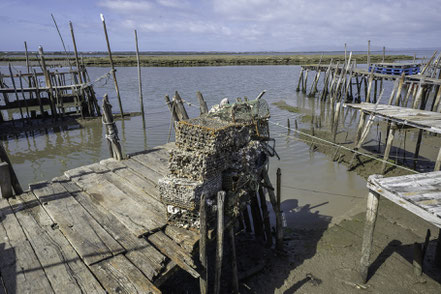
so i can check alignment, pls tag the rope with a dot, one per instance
(326, 142)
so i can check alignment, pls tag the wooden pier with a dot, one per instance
(96, 229)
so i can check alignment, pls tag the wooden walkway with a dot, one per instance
(422, 119)
(96, 229)
(420, 194)
(397, 117)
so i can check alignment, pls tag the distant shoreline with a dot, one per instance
(206, 60)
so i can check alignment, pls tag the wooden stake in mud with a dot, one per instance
(220, 240)
(203, 280)
(111, 130)
(305, 81)
(112, 66)
(371, 218)
(388, 147)
(279, 224)
(369, 54)
(14, 180)
(265, 215)
(234, 261)
(257, 219)
(141, 101)
(202, 104)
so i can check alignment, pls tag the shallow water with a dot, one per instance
(315, 190)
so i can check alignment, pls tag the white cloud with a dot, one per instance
(126, 6)
(173, 3)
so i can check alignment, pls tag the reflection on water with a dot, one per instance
(316, 183)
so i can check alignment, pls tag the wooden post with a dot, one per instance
(388, 147)
(369, 55)
(220, 240)
(27, 57)
(5, 181)
(400, 87)
(234, 261)
(371, 217)
(15, 91)
(369, 89)
(436, 103)
(279, 224)
(181, 106)
(141, 101)
(23, 94)
(14, 180)
(77, 61)
(37, 93)
(112, 66)
(438, 250)
(363, 116)
(202, 104)
(265, 214)
(300, 80)
(111, 130)
(203, 280)
(438, 161)
(257, 219)
(305, 81)
(172, 107)
(48, 82)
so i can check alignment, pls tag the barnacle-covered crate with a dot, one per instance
(210, 135)
(186, 193)
(250, 158)
(196, 165)
(190, 219)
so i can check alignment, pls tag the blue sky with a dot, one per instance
(223, 25)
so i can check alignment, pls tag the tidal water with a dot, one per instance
(315, 190)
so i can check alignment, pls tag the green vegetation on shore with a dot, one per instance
(212, 60)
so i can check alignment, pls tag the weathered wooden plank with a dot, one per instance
(132, 191)
(143, 171)
(88, 238)
(173, 251)
(156, 159)
(62, 265)
(20, 269)
(187, 239)
(428, 216)
(139, 251)
(138, 219)
(119, 275)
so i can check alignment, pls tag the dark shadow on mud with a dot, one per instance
(407, 252)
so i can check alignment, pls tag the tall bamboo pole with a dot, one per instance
(139, 79)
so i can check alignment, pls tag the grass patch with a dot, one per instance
(211, 60)
(284, 106)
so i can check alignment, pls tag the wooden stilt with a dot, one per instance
(300, 80)
(388, 147)
(234, 261)
(202, 104)
(171, 107)
(279, 224)
(220, 241)
(438, 161)
(14, 180)
(111, 130)
(417, 148)
(203, 280)
(112, 66)
(138, 63)
(181, 106)
(305, 82)
(257, 218)
(265, 214)
(5, 181)
(371, 217)
(400, 88)
(369, 89)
